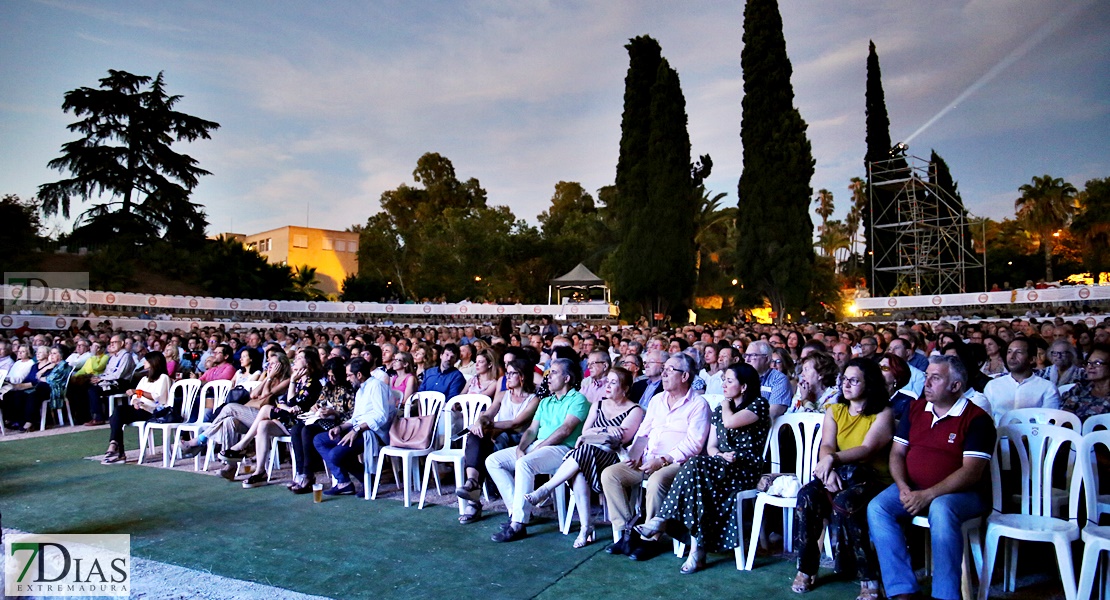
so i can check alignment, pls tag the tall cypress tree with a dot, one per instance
(775, 249)
(941, 176)
(656, 197)
(878, 149)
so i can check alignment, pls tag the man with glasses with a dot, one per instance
(869, 348)
(774, 385)
(648, 387)
(675, 428)
(120, 367)
(1020, 388)
(80, 354)
(554, 430)
(593, 387)
(1064, 370)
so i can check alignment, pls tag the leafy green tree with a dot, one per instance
(573, 230)
(775, 255)
(1046, 206)
(661, 226)
(22, 233)
(833, 239)
(357, 288)
(305, 284)
(710, 222)
(128, 127)
(859, 209)
(229, 270)
(1092, 225)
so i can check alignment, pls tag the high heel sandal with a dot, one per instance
(695, 563)
(585, 537)
(652, 528)
(803, 583)
(538, 495)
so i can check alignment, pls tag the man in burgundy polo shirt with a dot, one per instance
(938, 461)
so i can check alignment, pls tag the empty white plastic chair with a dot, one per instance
(471, 407)
(1037, 447)
(1096, 538)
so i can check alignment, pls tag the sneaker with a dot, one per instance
(256, 480)
(348, 490)
(508, 534)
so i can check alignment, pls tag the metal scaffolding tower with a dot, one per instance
(921, 237)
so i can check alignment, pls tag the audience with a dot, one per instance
(151, 394)
(1020, 388)
(1091, 396)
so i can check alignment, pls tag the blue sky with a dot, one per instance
(324, 106)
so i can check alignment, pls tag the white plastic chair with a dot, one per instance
(1043, 416)
(471, 406)
(217, 390)
(1094, 422)
(427, 403)
(273, 462)
(1037, 447)
(220, 389)
(971, 530)
(3, 378)
(182, 394)
(1096, 538)
(807, 441)
(58, 418)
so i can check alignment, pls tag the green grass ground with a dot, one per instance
(343, 548)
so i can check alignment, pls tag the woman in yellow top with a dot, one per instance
(851, 469)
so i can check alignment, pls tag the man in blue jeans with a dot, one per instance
(939, 460)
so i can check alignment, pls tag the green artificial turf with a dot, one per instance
(345, 547)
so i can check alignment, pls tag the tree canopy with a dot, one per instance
(125, 158)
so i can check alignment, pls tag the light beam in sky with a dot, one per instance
(1048, 28)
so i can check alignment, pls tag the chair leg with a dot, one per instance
(433, 466)
(42, 414)
(407, 471)
(378, 475)
(788, 530)
(1067, 569)
(1011, 566)
(424, 485)
(757, 526)
(989, 556)
(741, 559)
(1092, 555)
(69, 414)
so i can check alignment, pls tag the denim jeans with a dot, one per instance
(341, 460)
(885, 516)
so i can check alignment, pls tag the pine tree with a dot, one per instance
(657, 188)
(775, 250)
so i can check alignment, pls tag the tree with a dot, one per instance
(775, 254)
(656, 191)
(709, 217)
(128, 127)
(825, 206)
(22, 233)
(1092, 225)
(1046, 205)
(572, 230)
(878, 150)
(305, 282)
(833, 238)
(229, 270)
(859, 209)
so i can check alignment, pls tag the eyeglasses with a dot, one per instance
(852, 381)
(596, 362)
(776, 361)
(512, 374)
(1096, 363)
(885, 368)
(754, 356)
(668, 370)
(1058, 354)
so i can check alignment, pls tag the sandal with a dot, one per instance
(868, 590)
(471, 490)
(467, 518)
(652, 528)
(537, 496)
(585, 537)
(803, 583)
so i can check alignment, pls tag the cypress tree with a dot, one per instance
(878, 149)
(775, 249)
(656, 188)
(941, 177)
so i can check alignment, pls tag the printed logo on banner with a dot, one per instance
(388, 308)
(193, 303)
(273, 305)
(350, 308)
(983, 298)
(500, 310)
(152, 301)
(1084, 293)
(1032, 296)
(937, 300)
(312, 306)
(892, 302)
(67, 565)
(427, 309)
(47, 292)
(462, 309)
(234, 305)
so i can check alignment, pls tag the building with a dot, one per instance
(333, 253)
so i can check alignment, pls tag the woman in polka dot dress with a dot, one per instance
(702, 499)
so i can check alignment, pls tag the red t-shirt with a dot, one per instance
(937, 449)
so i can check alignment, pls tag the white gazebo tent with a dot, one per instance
(579, 278)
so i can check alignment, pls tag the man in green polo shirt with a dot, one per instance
(554, 430)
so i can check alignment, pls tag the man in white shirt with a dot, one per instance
(80, 354)
(1020, 388)
(6, 360)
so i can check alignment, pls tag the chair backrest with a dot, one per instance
(713, 400)
(250, 386)
(1088, 470)
(1038, 447)
(186, 392)
(807, 441)
(3, 375)
(1042, 416)
(217, 390)
(1095, 422)
(425, 403)
(471, 406)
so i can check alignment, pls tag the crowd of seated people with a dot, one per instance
(618, 414)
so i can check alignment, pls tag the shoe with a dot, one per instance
(803, 583)
(585, 537)
(256, 480)
(228, 473)
(621, 546)
(231, 455)
(538, 496)
(646, 550)
(694, 563)
(652, 528)
(508, 534)
(191, 451)
(471, 490)
(348, 490)
(300, 481)
(95, 423)
(468, 518)
(868, 590)
(118, 458)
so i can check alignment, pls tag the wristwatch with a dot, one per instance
(666, 460)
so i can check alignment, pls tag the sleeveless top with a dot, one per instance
(509, 410)
(851, 430)
(399, 382)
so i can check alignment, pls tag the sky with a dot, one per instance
(323, 106)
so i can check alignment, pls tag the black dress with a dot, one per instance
(703, 495)
(592, 460)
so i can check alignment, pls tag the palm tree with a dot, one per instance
(305, 282)
(824, 206)
(859, 204)
(1045, 207)
(709, 214)
(834, 237)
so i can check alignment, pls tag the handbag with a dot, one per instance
(413, 433)
(238, 395)
(602, 440)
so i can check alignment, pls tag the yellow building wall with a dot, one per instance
(333, 253)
